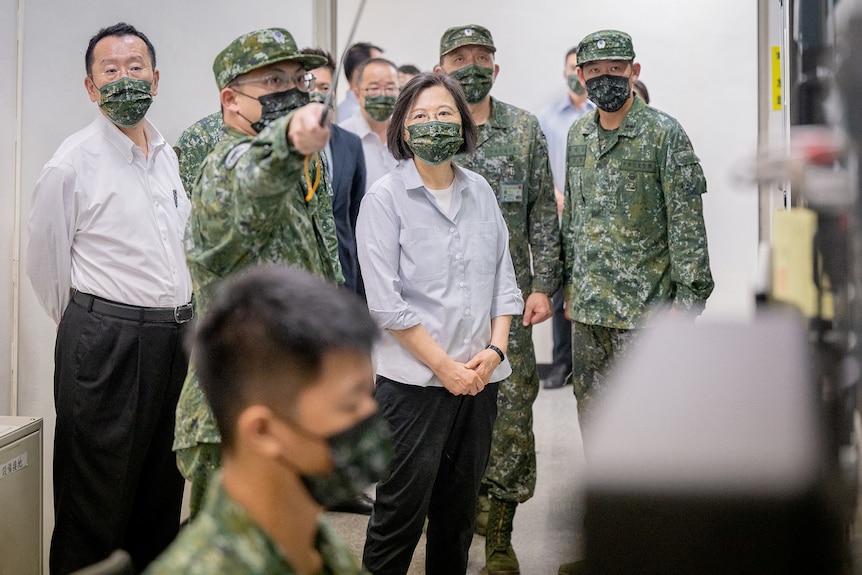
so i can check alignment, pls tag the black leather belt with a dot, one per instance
(180, 314)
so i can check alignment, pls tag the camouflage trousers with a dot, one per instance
(511, 472)
(594, 349)
(198, 464)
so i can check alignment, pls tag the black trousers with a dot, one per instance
(116, 484)
(442, 442)
(562, 332)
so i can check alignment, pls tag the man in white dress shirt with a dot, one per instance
(377, 90)
(107, 262)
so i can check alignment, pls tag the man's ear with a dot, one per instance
(228, 99)
(92, 90)
(255, 431)
(636, 71)
(154, 88)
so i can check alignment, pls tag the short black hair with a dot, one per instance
(366, 63)
(424, 80)
(356, 55)
(330, 63)
(408, 69)
(272, 319)
(119, 29)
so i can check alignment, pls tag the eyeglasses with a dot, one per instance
(112, 73)
(378, 91)
(278, 82)
(421, 116)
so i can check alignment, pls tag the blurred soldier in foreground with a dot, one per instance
(292, 396)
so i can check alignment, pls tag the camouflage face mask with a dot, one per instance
(126, 101)
(380, 107)
(318, 97)
(609, 92)
(360, 456)
(575, 84)
(475, 80)
(435, 142)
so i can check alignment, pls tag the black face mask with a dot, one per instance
(276, 105)
(609, 92)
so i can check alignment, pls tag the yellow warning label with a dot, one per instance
(776, 78)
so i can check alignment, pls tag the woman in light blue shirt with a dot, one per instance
(433, 250)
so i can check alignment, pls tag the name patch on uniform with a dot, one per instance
(512, 150)
(511, 192)
(638, 166)
(576, 155)
(234, 155)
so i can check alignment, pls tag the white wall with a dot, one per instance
(8, 83)
(699, 61)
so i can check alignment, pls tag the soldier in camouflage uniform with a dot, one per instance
(512, 154)
(195, 144)
(278, 380)
(634, 240)
(252, 203)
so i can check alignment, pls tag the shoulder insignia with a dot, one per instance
(235, 154)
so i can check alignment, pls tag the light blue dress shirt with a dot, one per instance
(556, 120)
(450, 273)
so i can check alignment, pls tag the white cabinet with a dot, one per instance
(20, 496)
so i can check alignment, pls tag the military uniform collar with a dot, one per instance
(499, 118)
(629, 126)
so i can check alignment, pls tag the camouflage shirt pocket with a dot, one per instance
(576, 159)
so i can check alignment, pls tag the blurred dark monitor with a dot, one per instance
(708, 457)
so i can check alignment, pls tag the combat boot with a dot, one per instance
(500, 557)
(482, 506)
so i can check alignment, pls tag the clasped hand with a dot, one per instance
(471, 377)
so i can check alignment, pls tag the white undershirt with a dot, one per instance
(443, 197)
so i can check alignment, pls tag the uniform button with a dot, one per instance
(458, 257)
(467, 313)
(452, 230)
(462, 284)
(466, 341)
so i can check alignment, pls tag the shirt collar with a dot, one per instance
(413, 181)
(255, 545)
(499, 118)
(122, 142)
(362, 127)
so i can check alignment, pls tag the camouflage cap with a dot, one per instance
(470, 35)
(605, 45)
(260, 48)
